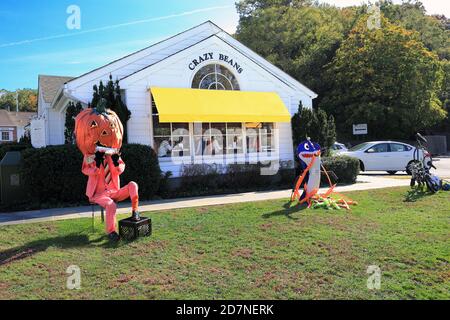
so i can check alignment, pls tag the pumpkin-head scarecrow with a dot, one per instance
(99, 135)
(99, 127)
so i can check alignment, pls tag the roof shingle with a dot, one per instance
(49, 86)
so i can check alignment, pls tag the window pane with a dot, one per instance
(181, 147)
(180, 129)
(200, 144)
(160, 129)
(234, 128)
(215, 77)
(6, 136)
(396, 147)
(383, 147)
(234, 144)
(163, 146)
(198, 128)
(216, 127)
(252, 142)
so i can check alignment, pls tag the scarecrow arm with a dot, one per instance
(120, 168)
(89, 168)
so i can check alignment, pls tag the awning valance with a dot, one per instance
(198, 105)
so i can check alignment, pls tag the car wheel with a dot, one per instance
(391, 172)
(361, 165)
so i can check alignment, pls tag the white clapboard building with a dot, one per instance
(197, 97)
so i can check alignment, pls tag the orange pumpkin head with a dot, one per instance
(98, 127)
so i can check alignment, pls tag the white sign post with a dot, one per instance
(359, 129)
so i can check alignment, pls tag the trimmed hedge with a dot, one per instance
(208, 179)
(142, 167)
(53, 174)
(346, 168)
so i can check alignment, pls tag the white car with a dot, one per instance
(390, 156)
(337, 148)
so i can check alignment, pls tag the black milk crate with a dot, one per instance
(130, 229)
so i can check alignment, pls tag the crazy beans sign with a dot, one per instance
(212, 56)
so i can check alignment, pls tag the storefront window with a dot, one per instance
(234, 138)
(215, 77)
(209, 138)
(260, 137)
(170, 139)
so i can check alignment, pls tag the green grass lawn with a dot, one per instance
(245, 251)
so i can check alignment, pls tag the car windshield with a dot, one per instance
(359, 146)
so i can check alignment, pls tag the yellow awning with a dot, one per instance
(198, 105)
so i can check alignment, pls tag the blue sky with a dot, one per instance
(34, 38)
(72, 52)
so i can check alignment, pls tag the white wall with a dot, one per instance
(175, 72)
(56, 122)
(141, 72)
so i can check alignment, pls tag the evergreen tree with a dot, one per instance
(316, 125)
(111, 93)
(72, 111)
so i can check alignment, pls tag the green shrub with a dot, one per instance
(207, 179)
(13, 146)
(200, 178)
(53, 174)
(246, 176)
(142, 167)
(346, 168)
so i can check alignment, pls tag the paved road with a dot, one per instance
(442, 165)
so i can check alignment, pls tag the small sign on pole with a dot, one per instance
(359, 129)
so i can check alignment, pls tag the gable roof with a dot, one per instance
(154, 51)
(50, 85)
(160, 51)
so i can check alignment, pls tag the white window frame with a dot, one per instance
(10, 135)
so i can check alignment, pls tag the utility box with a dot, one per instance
(12, 187)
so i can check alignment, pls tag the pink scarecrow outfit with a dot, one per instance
(103, 185)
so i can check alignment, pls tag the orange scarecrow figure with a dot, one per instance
(99, 135)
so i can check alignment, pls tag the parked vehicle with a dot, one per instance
(337, 148)
(390, 156)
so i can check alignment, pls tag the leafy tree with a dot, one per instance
(444, 126)
(433, 30)
(27, 100)
(72, 111)
(296, 36)
(112, 94)
(386, 78)
(8, 100)
(316, 125)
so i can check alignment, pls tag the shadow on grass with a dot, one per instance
(286, 211)
(60, 242)
(416, 193)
